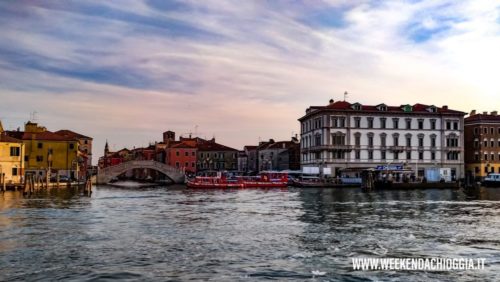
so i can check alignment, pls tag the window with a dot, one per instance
(485, 130)
(186, 154)
(186, 164)
(177, 153)
(476, 130)
(177, 164)
(408, 141)
(492, 157)
(317, 139)
(26, 158)
(420, 155)
(433, 124)
(14, 171)
(420, 141)
(370, 141)
(357, 140)
(476, 156)
(370, 155)
(71, 146)
(492, 142)
(382, 155)
(420, 124)
(408, 123)
(395, 123)
(335, 122)
(357, 122)
(40, 145)
(433, 141)
(358, 154)
(192, 164)
(85, 142)
(433, 155)
(342, 122)
(396, 140)
(448, 125)
(383, 140)
(452, 141)
(39, 158)
(338, 139)
(202, 155)
(15, 151)
(396, 155)
(455, 125)
(492, 130)
(193, 154)
(383, 123)
(408, 155)
(485, 143)
(476, 143)
(485, 156)
(452, 156)
(370, 122)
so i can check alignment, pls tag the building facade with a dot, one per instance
(343, 135)
(280, 155)
(482, 143)
(46, 150)
(11, 158)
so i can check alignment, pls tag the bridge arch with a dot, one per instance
(105, 175)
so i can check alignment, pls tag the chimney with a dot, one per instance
(331, 101)
(445, 107)
(473, 112)
(494, 113)
(485, 113)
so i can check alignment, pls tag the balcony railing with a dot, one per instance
(346, 148)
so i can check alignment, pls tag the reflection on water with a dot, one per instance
(171, 233)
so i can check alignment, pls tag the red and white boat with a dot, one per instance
(220, 180)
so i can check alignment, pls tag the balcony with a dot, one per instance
(453, 149)
(345, 148)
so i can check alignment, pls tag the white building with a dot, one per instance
(344, 135)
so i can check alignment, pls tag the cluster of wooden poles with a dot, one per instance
(33, 183)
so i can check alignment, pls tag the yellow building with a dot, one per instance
(45, 149)
(11, 157)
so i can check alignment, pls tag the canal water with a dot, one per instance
(176, 234)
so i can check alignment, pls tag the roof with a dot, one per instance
(382, 108)
(6, 138)
(212, 146)
(45, 136)
(184, 145)
(71, 134)
(482, 118)
(278, 145)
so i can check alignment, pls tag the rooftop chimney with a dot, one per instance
(485, 113)
(473, 112)
(331, 101)
(494, 113)
(445, 107)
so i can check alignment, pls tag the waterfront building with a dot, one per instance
(47, 150)
(11, 157)
(183, 156)
(215, 156)
(482, 143)
(281, 155)
(84, 149)
(352, 135)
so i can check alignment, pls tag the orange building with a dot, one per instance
(183, 156)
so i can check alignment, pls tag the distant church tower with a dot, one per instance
(106, 148)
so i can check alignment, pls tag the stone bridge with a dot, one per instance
(106, 174)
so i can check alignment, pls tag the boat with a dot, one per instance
(492, 180)
(266, 179)
(221, 180)
(316, 182)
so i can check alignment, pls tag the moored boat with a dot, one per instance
(264, 180)
(492, 180)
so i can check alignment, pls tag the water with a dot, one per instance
(174, 234)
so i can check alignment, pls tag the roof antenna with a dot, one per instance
(345, 95)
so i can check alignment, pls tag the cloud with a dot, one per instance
(128, 70)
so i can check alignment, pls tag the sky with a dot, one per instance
(240, 71)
